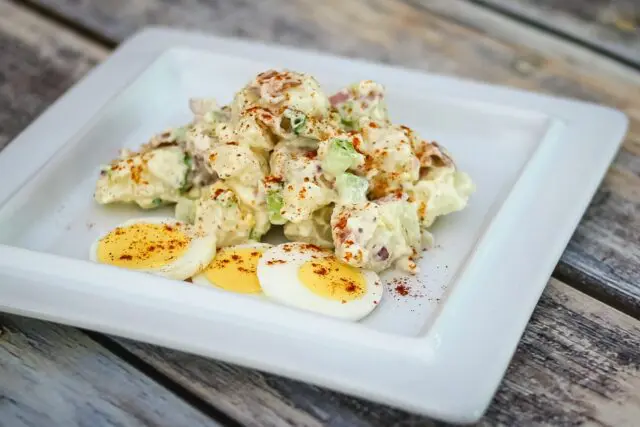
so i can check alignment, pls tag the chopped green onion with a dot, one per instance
(156, 202)
(298, 123)
(297, 120)
(347, 123)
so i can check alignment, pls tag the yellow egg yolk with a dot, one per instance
(142, 246)
(235, 270)
(329, 278)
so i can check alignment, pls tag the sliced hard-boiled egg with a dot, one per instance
(161, 246)
(309, 277)
(234, 269)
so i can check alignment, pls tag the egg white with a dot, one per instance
(201, 278)
(200, 251)
(279, 281)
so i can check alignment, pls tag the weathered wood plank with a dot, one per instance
(578, 351)
(578, 362)
(52, 375)
(38, 63)
(443, 36)
(57, 376)
(610, 25)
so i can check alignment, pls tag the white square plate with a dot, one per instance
(441, 351)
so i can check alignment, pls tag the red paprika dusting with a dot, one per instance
(252, 110)
(322, 271)
(312, 247)
(402, 290)
(272, 179)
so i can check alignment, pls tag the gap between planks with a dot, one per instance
(67, 23)
(556, 31)
(174, 387)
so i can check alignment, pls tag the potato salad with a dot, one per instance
(331, 171)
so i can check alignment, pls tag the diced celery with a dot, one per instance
(274, 206)
(179, 134)
(186, 186)
(254, 235)
(188, 160)
(352, 188)
(340, 156)
(185, 210)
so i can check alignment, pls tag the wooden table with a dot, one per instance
(579, 359)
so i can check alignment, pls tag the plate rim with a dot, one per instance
(451, 399)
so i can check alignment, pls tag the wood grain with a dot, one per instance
(38, 62)
(444, 36)
(57, 376)
(610, 25)
(52, 375)
(578, 362)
